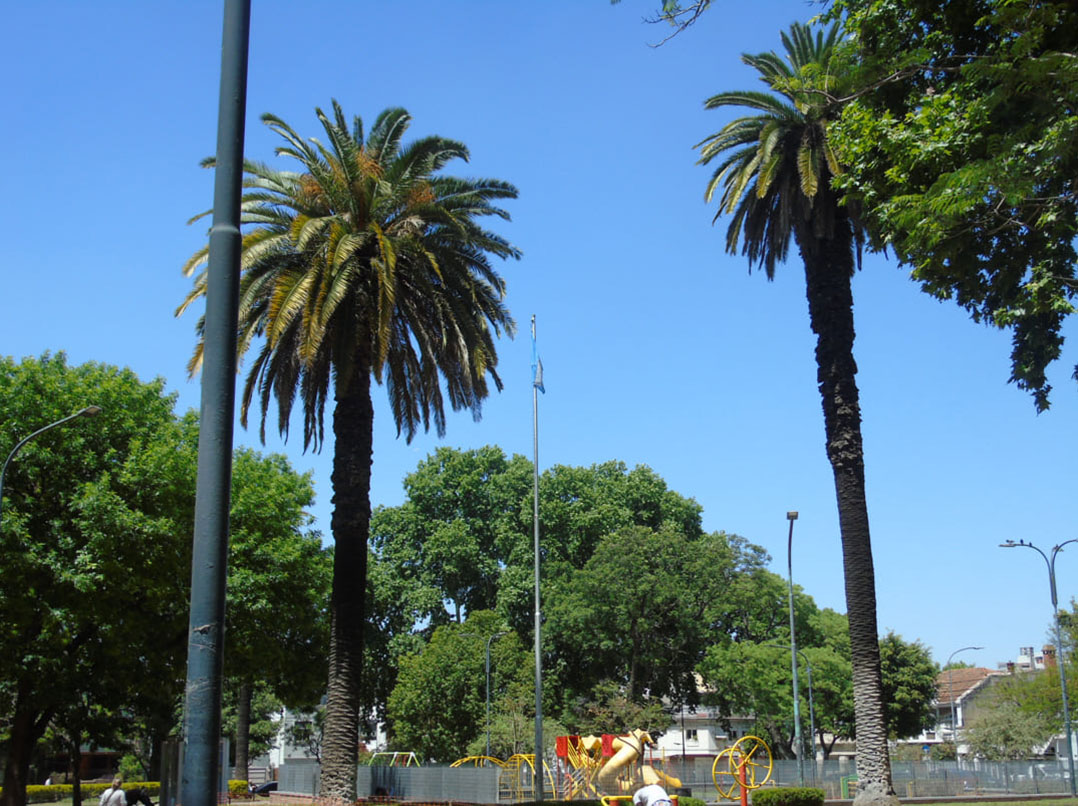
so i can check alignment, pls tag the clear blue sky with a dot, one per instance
(658, 348)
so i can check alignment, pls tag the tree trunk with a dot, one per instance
(75, 750)
(828, 269)
(353, 426)
(243, 730)
(26, 729)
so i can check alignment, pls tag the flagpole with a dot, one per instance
(536, 386)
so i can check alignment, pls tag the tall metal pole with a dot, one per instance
(798, 742)
(1051, 563)
(497, 634)
(812, 722)
(202, 709)
(812, 707)
(950, 685)
(536, 385)
(89, 411)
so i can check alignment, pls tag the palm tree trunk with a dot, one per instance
(828, 269)
(353, 427)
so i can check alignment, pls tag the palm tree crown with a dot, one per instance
(367, 260)
(775, 167)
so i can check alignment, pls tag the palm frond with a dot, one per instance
(367, 259)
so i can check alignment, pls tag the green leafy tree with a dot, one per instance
(775, 171)
(961, 147)
(749, 678)
(308, 733)
(640, 612)
(249, 714)
(279, 578)
(368, 261)
(451, 537)
(832, 684)
(610, 710)
(464, 539)
(578, 508)
(438, 705)
(92, 545)
(909, 686)
(1006, 732)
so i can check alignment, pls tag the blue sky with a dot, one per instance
(658, 348)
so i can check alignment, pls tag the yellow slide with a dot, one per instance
(627, 749)
(654, 776)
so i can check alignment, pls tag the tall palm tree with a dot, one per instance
(368, 261)
(774, 169)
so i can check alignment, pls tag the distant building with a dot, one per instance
(965, 690)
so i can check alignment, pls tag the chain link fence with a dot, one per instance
(437, 783)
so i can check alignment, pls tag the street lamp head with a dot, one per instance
(90, 411)
(1008, 544)
(791, 516)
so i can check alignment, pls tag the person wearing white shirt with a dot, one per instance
(114, 795)
(651, 795)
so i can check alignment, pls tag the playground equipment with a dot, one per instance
(521, 777)
(478, 761)
(745, 765)
(389, 759)
(584, 767)
(593, 766)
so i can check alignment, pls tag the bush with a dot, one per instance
(687, 801)
(47, 794)
(90, 792)
(788, 796)
(130, 768)
(237, 788)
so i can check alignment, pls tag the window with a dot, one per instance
(690, 736)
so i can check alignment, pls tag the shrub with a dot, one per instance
(687, 801)
(788, 796)
(47, 794)
(237, 788)
(90, 792)
(130, 768)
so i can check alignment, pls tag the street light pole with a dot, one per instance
(89, 411)
(950, 685)
(1051, 563)
(798, 742)
(812, 707)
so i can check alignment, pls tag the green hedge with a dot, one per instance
(788, 796)
(687, 801)
(90, 791)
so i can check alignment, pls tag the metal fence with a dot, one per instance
(838, 779)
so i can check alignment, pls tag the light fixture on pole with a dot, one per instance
(89, 411)
(1051, 563)
(798, 742)
(950, 685)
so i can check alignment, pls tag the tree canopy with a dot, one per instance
(960, 149)
(96, 529)
(93, 546)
